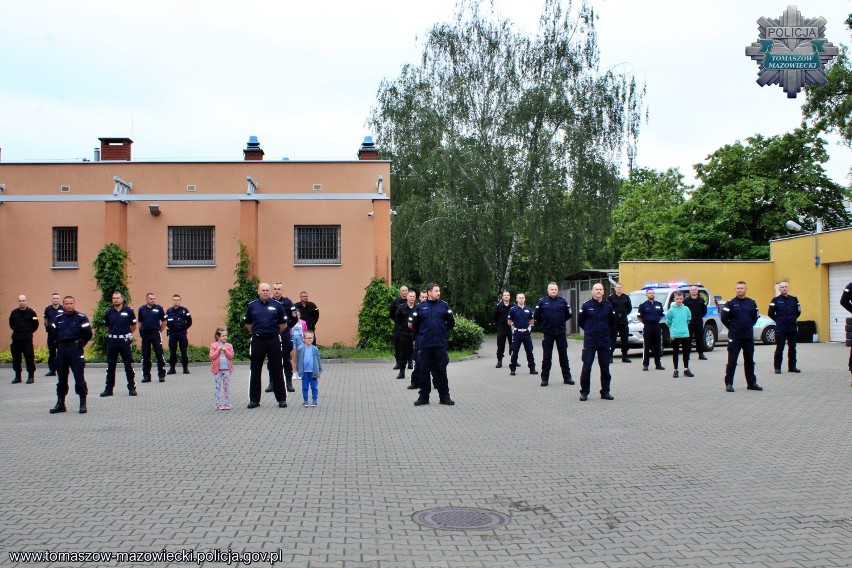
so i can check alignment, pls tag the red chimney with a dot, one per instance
(368, 150)
(115, 149)
(253, 150)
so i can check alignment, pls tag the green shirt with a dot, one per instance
(678, 320)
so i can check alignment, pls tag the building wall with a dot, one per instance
(32, 205)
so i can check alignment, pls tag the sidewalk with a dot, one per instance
(673, 472)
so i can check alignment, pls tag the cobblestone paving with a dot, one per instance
(673, 472)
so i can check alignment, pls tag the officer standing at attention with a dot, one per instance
(397, 302)
(622, 306)
(739, 315)
(152, 321)
(266, 320)
(846, 302)
(120, 321)
(552, 312)
(24, 322)
(432, 321)
(178, 320)
(50, 314)
(698, 311)
(650, 314)
(286, 340)
(73, 332)
(597, 319)
(520, 320)
(500, 315)
(785, 310)
(406, 335)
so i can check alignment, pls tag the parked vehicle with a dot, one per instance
(764, 329)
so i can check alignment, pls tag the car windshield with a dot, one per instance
(637, 298)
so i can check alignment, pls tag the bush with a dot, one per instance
(375, 328)
(243, 292)
(465, 335)
(109, 271)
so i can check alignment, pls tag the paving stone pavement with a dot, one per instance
(673, 472)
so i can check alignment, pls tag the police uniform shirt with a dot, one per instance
(621, 305)
(403, 312)
(119, 322)
(289, 310)
(739, 316)
(596, 319)
(520, 318)
(50, 315)
(501, 314)
(697, 307)
(431, 321)
(150, 318)
(846, 298)
(23, 323)
(72, 327)
(178, 319)
(785, 311)
(551, 314)
(309, 313)
(265, 317)
(651, 312)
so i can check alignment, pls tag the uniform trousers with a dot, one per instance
(522, 338)
(406, 350)
(653, 345)
(286, 355)
(151, 339)
(116, 347)
(69, 356)
(504, 334)
(178, 339)
(52, 344)
(23, 349)
(621, 330)
(434, 361)
(265, 345)
(602, 350)
(547, 354)
(734, 348)
(788, 336)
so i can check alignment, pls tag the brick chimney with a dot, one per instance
(368, 150)
(252, 150)
(115, 149)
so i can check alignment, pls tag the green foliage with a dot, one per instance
(243, 292)
(110, 276)
(504, 151)
(375, 328)
(40, 356)
(466, 335)
(828, 108)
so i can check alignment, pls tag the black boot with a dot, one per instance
(289, 382)
(60, 405)
(17, 379)
(499, 364)
(172, 371)
(401, 374)
(410, 364)
(30, 379)
(268, 387)
(186, 370)
(83, 408)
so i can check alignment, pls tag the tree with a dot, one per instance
(243, 292)
(375, 328)
(504, 151)
(110, 276)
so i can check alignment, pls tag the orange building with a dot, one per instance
(322, 227)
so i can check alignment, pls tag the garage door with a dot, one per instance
(839, 275)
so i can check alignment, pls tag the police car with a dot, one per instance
(714, 331)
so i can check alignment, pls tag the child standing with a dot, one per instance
(309, 368)
(221, 354)
(297, 335)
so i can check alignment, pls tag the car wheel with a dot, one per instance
(768, 335)
(709, 338)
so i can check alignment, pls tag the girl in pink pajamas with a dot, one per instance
(221, 354)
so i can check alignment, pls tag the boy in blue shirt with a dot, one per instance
(309, 368)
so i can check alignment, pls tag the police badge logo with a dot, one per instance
(791, 51)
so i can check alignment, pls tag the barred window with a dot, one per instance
(65, 247)
(317, 244)
(192, 246)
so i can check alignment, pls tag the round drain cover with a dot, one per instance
(461, 518)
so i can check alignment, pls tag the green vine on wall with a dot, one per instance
(243, 292)
(110, 276)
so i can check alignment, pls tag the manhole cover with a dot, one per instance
(460, 518)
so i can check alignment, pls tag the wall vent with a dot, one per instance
(65, 188)
(190, 188)
(317, 187)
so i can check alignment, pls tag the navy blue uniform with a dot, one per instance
(178, 320)
(551, 314)
(521, 318)
(846, 302)
(500, 315)
(73, 332)
(739, 316)
(431, 321)
(650, 314)
(698, 311)
(286, 341)
(406, 338)
(597, 320)
(785, 310)
(266, 319)
(23, 323)
(119, 324)
(150, 322)
(50, 315)
(622, 306)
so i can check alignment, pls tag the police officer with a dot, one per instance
(73, 332)
(739, 315)
(650, 313)
(309, 311)
(432, 321)
(178, 320)
(597, 319)
(120, 321)
(500, 315)
(415, 374)
(846, 302)
(266, 320)
(622, 306)
(785, 310)
(50, 313)
(520, 319)
(152, 321)
(397, 302)
(24, 322)
(286, 340)
(697, 311)
(406, 335)
(552, 312)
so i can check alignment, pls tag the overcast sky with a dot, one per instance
(194, 79)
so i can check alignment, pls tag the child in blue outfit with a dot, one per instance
(309, 367)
